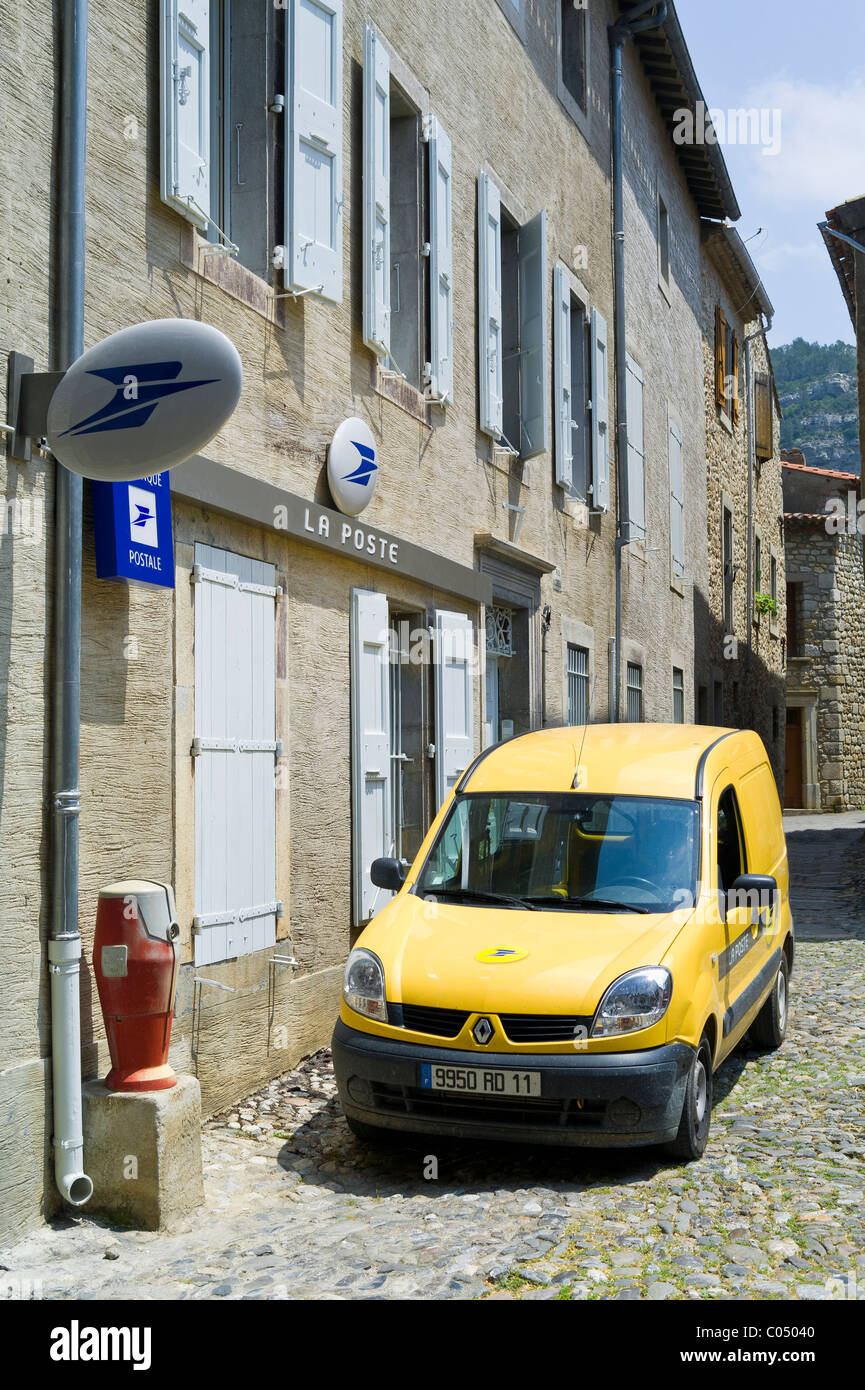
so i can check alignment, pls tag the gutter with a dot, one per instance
(64, 942)
(634, 21)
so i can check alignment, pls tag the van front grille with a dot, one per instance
(543, 1028)
(542, 1111)
(423, 1018)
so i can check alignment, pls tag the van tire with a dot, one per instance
(690, 1142)
(770, 1026)
(370, 1133)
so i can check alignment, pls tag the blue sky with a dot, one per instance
(807, 62)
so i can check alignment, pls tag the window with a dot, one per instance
(677, 504)
(573, 51)
(678, 696)
(729, 569)
(512, 324)
(235, 164)
(390, 795)
(762, 416)
(773, 585)
(407, 231)
(635, 693)
(553, 848)
(730, 845)
(579, 389)
(720, 357)
(758, 565)
(235, 751)
(794, 592)
(578, 685)
(507, 699)
(636, 455)
(663, 241)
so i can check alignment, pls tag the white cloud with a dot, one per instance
(821, 159)
(788, 255)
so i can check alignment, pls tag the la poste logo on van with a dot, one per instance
(352, 466)
(500, 955)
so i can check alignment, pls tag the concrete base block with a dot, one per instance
(143, 1152)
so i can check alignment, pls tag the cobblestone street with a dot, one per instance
(297, 1208)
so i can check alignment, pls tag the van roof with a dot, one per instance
(626, 759)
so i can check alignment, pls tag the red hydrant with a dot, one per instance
(135, 961)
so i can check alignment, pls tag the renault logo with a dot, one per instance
(482, 1031)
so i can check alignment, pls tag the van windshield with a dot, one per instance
(567, 850)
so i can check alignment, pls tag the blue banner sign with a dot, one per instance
(132, 524)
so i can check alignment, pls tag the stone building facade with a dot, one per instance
(746, 646)
(499, 539)
(825, 738)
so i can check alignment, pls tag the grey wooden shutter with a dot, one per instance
(600, 414)
(490, 305)
(376, 194)
(636, 454)
(441, 263)
(564, 432)
(453, 695)
(534, 438)
(313, 148)
(184, 35)
(371, 783)
(677, 503)
(234, 755)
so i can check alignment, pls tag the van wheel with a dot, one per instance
(770, 1026)
(690, 1142)
(370, 1133)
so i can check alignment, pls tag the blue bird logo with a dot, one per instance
(139, 391)
(365, 469)
(144, 515)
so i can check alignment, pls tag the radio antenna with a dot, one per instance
(576, 781)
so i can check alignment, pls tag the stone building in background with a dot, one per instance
(744, 635)
(825, 622)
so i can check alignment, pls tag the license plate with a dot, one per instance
(481, 1081)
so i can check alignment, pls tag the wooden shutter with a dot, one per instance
(720, 356)
(184, 35)
(734, 381)
(453, 698)
(564, 425)
(677, 504)
(235, 751)
(600, 414)
(441, 263)
(371, 784)
(376, 194)
(534, 428)
(762, 415)
(490, 305)
(636, 457)
(313, 148)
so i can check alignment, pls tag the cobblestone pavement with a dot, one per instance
(297, 1208)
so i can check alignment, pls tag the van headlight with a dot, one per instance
(363, 984)
(636, 1000)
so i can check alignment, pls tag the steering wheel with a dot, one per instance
(628, 879)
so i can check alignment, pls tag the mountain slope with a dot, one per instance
(817, 390)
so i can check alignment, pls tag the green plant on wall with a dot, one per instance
(765, 603)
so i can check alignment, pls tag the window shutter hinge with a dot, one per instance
(279, 750)
(278, 257)
(277, 106)
(280, 910)
(425, 249)
(426, 129)
(431, 750)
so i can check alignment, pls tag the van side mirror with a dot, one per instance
(759, 892)
(387, 873)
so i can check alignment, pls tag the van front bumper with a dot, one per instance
(602, 1099)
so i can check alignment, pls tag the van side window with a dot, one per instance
(731, 845)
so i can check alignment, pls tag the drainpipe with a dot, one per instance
(64, 943)
(634, 21)
(749, 588)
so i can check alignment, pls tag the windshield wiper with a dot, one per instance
(482, 893)
(555, 901)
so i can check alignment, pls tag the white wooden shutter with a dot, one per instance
(376, 194)
(677, 503)
(600, 415)
(636, 456)
(490, 305)
(370, 747)
(313, 176)
(185, 107)
(562, 378)
(453, 698)
(441, 263)
(234, 756)
(534, 432)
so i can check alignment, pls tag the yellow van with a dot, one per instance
(594, 921)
